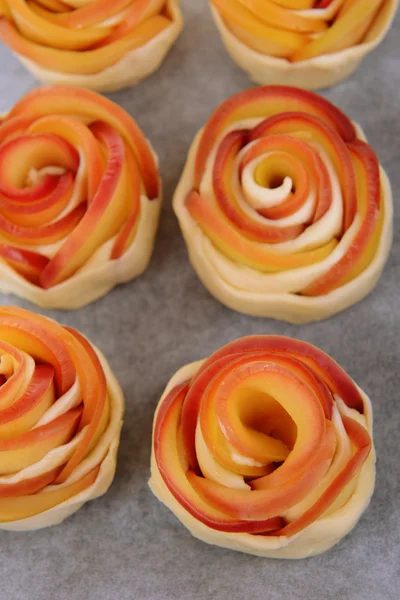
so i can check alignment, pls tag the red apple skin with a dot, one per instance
(264, 102)
(28, 486)
(94, 397)
(228, 150)
(337, 275)
(362, 441)
(10, 387)
(336, 378)
(79, 241)
(64, 422)
(42, 339)
(26, 262)
(309, 158)
(64, 100)
(221, 523)
(256, 511)
(337, 146)
(41, 381)
(12, 127)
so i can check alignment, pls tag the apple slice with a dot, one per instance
(28, 448)
(27, 263)
(96, 405)
(335, 377)
(242, 250)
(318, 132)
(223, 178)
(64, 100)
(35, 28)
(28, 486)
(363, 444)
(42, 340)
(170, 466)
(27, 409)
(13, 509)
(365, 243)
(264, 102)
(105, 215)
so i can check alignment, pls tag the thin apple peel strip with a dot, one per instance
(271, 208)
(69, 158)
(212, 487)
(327, 66)
(131, 40)
(61, 412)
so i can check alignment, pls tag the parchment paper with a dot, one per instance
(126, 545)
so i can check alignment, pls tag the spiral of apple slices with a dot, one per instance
(307, 43)
(285, 210)
(80, 197)
(265, 447)
(95, 44)
(61, 412)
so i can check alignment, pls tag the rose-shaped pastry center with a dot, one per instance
(283, 184)
(300, 29)
(74, 169)
(58, 418)
(267, 437)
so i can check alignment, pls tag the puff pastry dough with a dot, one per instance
(313, 48)
(61, 412)
(97, 44)
(265, 447)
(80, 197)
(284, 208)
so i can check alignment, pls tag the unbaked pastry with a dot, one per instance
(304, 43)
(102, 45)
(61, 412)
(285, 210)
(265, 447)
(80, 197)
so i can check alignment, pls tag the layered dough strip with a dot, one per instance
(90, 43)
(265, 448)
(285, 209)
(80, 197)
(302, 42)
(60, 419)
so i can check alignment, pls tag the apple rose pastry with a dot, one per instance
(61, 413)
(307, 43)
(102, 45)
(79, 197)
(284, 208)
(265, 447)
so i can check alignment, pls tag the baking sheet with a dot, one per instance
(126, 545)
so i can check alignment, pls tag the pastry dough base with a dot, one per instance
(135, 66)
(107, 445)
(313, 74)
(289, 307)
(317, 538)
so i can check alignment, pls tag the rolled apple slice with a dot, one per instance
(61, 412)
(284, 207)
(308, 44)
(265, 447)
(80, 197)
(99, 45)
